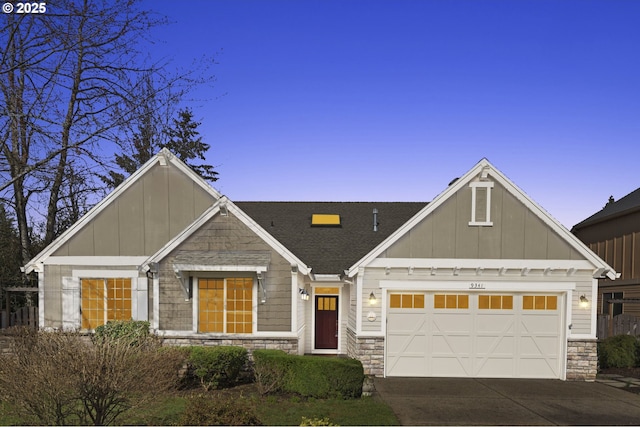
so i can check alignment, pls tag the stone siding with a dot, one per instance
(582, 360)
(369, 350)
(288, 345)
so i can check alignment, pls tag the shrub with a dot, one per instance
(202, 410)
(132, 330)
(620, 351)
(62, 378)
(218, 366)
(270, 368)
(309, 376)
(325, 377)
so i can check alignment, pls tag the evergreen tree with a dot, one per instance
(186, 143)
(10, 261)
(182, 139)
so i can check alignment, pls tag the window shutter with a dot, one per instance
(70, 303)
(140, 296)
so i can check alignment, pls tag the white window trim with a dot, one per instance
(474, 186)
(139, 293)
(196, 305)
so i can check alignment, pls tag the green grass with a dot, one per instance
(271, 410)
(289, 412)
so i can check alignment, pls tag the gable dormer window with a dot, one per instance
(481, 203)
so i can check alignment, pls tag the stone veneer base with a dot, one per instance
(288, 345)
(582, 360)
(369, 350)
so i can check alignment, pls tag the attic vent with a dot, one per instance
(327, 220)
(481, 203)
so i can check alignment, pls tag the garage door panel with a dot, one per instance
(451, 322)
(539, 368)
(448, 345)
(489, 322)
(500, 340)
(546, 346)
(451, 367)
(498, 345)
(496, 367)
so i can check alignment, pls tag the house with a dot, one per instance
(613, 233)
(480, 282)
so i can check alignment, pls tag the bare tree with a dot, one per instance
(61, 97)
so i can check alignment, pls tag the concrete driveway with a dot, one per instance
(462, 401)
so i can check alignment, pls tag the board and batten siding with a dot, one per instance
(516, 233)
(227, 233)
(154, 209)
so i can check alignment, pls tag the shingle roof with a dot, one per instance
(330, 250)
(630, 202)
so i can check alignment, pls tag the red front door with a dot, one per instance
(326, 322)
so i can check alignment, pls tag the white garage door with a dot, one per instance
(507, 335)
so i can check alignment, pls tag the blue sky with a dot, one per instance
(390, 100)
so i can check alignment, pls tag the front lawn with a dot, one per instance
(270, 410)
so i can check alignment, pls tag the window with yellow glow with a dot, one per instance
(406, 301)
(326, 291)
(325, 219)
(539, 302)
(225, 305)
(495, 302)
(453, 301)
(326, 304)
(103, 300)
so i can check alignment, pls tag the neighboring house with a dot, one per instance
(614, 234)
(480, 282)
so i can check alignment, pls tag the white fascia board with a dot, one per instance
(268, 238)
(105, 274)
(515, 191)
(482, 263)
(465, 285)
(201, 267)
(111, 261)
(326, 278)
(163, 156)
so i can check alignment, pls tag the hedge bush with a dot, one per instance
(133, 330)
(620, 351)
(218, 366)
(308, 376)
(219, 410)
(270, 368)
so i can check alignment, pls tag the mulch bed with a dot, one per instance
(625, 372)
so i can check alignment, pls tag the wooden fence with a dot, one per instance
(622, 324)
(25, 316)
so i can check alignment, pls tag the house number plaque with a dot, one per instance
(476, 285)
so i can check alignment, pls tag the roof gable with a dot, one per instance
(223, 207)
(100, 241)
(484, 169)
